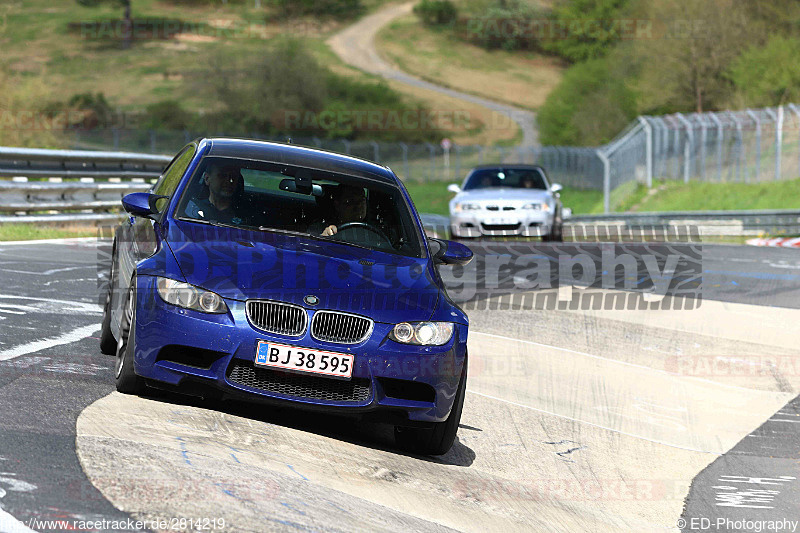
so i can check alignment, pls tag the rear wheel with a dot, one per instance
(436, 440)
(108, 344)
(127, 380)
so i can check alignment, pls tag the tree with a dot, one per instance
(768, 75)
(684, 64)
(127, 24)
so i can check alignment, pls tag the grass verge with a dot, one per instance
(30, 232)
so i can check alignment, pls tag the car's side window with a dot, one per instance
(172, 175)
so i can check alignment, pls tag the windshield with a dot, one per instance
(269, 197)
(514, 178)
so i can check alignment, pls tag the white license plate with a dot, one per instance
(501, 221)
(299, 359)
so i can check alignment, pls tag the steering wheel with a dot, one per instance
(364, 225)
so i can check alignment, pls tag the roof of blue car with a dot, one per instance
(294, 155)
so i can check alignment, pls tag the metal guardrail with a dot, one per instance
(71, 195)
(18, 197)
(699, 223)
(744, 222)
(34, 162)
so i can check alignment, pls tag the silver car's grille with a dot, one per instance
(342, 328)
(277, 317)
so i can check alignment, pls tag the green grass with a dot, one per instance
(678, 196)
(30, 232)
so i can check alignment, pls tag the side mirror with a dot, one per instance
(556, 188)
(449, 252)
(141, 204)
(454, 188)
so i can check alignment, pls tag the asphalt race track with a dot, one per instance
(579, 415)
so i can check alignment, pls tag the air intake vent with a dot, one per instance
(299, 385)
(277, 317)
(342, 328)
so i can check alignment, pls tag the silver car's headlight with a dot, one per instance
(537, 207)
(190, 297)
(422, 333)
(465, 207)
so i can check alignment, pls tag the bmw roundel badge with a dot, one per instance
(311, 299)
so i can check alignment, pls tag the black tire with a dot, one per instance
(127, 380)
(436, 440)
(556, 232)
(108, 344)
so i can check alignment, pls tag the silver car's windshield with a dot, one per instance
(268, 197)
(515, 178)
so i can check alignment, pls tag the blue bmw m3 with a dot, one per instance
(291, 276)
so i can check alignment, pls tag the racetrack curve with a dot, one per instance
(574, 419)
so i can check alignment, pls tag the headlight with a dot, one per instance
(422, 333)
(466, 207)
(537, 207)
(190, 297)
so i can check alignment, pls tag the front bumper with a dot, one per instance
(188, 350)
(476, 224)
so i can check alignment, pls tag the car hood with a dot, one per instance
(500, 195)
(240, 265)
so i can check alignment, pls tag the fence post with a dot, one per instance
(797, 115)
(432, 150)
(346, 146)
(406, 170)
(648, 132)
(606, 180)
(701, 119)
(755, 118)
(317, 142)
(738, 145)
(687, 151)
(778, 142)
(457, 149)
(152, 142)
(720, 136)
(376, 151)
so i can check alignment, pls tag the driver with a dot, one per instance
(350, 205)
(225, 184)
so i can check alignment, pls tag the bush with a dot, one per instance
(436, 12)
(339, 9)
(583, 40)
(589, 106)
(284, 90)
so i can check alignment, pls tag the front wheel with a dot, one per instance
(436, 440)
(108, 344)
(127, 380)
